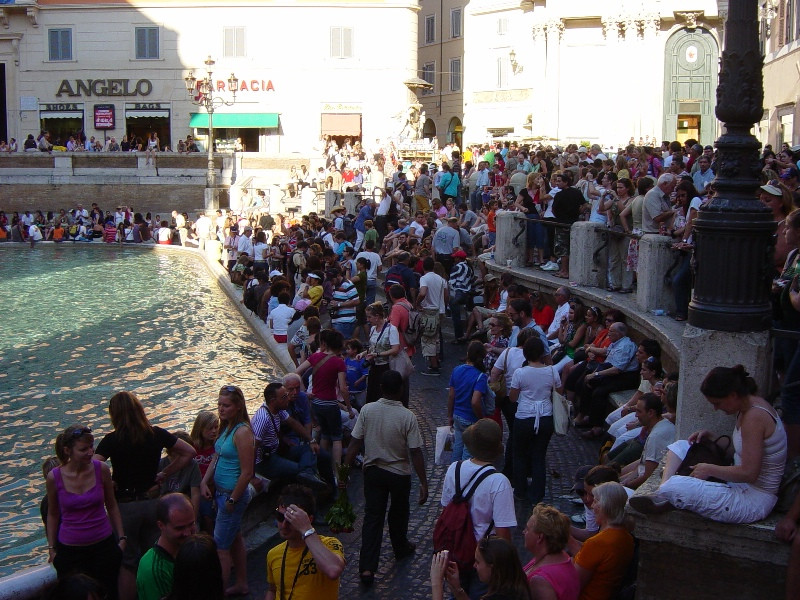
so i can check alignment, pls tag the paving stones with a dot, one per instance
(410, 579)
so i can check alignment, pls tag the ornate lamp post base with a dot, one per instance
(211, 198)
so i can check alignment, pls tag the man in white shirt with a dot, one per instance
(492, 504)
(375, 267)
(417, 226)
(202, 228)
(432, 300)
(482, 182)
(34, 234)
(245, 245)
(562, 296)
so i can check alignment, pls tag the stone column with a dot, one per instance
(650, 24)
(655, 259)
(332, 198)
(351, 200)
(554, 29)
(586, 239)
(511, 241)
(730, 311)
(539, 99)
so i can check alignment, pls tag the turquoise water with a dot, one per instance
(82, 323)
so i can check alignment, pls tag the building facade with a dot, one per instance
(441, 64)
(117, 67)
(602, 71)
(780, 36)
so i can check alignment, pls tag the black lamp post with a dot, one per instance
(202, 93)
(734, 233)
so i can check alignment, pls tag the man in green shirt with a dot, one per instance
(176, 520)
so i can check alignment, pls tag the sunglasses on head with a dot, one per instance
(76, 433)
(231, 389)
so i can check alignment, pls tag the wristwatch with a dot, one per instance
(309, 533)
(230, 501)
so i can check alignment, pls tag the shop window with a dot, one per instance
(341, 42)
(147, 42)
(233, 42)
(429, 75)
(455, 23)
(60, 44)
(455, 74)
(430, 29)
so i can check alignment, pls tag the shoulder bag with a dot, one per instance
(499, 386)
(561, 418)
(714, 452)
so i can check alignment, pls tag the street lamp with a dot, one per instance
(201, 92)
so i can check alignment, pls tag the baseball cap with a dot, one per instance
(275, 273)
(580, 475)
(459, 254)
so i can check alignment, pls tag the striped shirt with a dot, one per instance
(266, 429)
(344, 293)
(461, 277)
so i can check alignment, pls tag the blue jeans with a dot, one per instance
(299, 459)
(460, 451)
(229, 523)
(475, 201)
(346, 329)
(529, 453)
(457, 299)
(372, 289)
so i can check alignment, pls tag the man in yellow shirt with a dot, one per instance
(306, 566)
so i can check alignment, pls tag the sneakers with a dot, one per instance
(550, 266)
(431, 372)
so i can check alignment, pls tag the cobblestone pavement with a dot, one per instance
(410, 579)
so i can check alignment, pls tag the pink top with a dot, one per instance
(562, 576)
(83, 516)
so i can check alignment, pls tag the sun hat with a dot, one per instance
(484, 440)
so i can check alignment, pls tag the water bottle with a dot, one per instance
(659, 312)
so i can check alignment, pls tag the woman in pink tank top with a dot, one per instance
(551, 572)
(81, 511)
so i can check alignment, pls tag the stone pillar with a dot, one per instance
(655, 259)
(210, 198)
(585, 240)
(552, 63)
(652, 46)
(62, 163)
(539, 98)
(308, 199)
(332, 198)
(701, 351)
(511, 241)
(351, 200)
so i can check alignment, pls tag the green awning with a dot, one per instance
(235, 120)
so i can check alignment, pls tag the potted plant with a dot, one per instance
(341, 515)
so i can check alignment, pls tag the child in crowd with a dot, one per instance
(187, 480)
(370, 234)
(280, 317)
(357, 371)
(204, 433)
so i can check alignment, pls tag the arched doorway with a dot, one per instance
(455, 131)
(690, 85)
(429, 129)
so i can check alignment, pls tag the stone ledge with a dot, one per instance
(644, 325)
(752, 541)
(619, 399)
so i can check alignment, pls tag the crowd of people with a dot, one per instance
(78, 141)
(315, 281)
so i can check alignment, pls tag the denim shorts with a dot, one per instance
(329, 419)
(229, 523)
